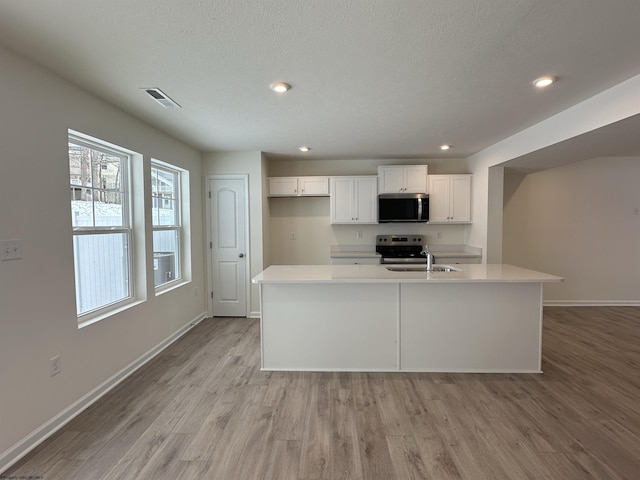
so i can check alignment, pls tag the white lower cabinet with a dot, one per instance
(324, 327)
(354, 199)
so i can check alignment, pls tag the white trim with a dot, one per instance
(21, 448)
(247, 221)
(592, 303)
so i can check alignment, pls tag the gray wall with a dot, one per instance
(580, 221)
(37, 300)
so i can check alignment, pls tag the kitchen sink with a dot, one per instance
(422, 268)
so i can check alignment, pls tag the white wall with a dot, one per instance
(308, 218)
(612, 105)
(37, 299)
(581, 222)
(251, 164)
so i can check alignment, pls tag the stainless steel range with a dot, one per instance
(401, 249)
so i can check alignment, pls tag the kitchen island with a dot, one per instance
(482, 318)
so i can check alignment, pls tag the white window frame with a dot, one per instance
(158, 201)
(126, 228)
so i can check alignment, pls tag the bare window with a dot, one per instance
(167, 223)
(101, 220)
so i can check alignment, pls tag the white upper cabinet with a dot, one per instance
(402, 179)
(318, 186)
(449, 198)
(298, 186)
(283, 186)
(354, 199)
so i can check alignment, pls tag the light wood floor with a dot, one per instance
(203, 410)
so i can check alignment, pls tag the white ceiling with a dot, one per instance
(371, 78)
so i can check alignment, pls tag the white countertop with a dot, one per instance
(355, 254)
(441, 251)
(491, 273)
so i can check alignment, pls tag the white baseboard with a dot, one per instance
(591, 303)
(253, 315)
(39, 435)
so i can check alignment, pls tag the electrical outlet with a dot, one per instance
(359, 235)
(54, 365)
(196, 291)
(293, 235)
(439, 235)
(10, 250)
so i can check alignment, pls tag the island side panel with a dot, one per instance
(471, 327)
(329, 326)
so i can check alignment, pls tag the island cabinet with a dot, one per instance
(449, 198)
(480, 318)
(298, 186)
(354, 199)
(466, 327)
(402, 179)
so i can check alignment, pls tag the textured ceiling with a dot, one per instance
(371, 78)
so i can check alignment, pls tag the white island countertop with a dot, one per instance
(469, 273)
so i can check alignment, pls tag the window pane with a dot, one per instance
(81, 208)
(166, 264)
(165, 197)
(108, 210)
(97, 186)
(165, 214)
(79, 165)
(102, 270)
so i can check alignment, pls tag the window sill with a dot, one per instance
(167, 287)
(85, 322)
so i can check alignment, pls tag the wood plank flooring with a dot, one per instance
(203, 410)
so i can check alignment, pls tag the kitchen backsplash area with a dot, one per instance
(301, 232)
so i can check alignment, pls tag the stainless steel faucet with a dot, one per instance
(425, 251)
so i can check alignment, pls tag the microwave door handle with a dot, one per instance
(419, 209)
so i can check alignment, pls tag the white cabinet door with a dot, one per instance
(402, 179)
(342, 200)
(316, 186)
(449, 198)
(391, 179)
(439, 190)
(283, 186)
(366, 199)
(461, 198)
(354, 199)
(415, 179)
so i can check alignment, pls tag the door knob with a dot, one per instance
(241, 255)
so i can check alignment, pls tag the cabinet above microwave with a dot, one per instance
(402, 179)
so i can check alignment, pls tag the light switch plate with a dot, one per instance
(10, 250)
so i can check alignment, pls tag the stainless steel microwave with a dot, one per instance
(403, 207)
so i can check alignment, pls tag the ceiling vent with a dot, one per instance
(161, 97)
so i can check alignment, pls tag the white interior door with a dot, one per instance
(228, 243)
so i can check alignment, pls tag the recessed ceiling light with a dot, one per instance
(445, 147)
(304, 148)
(280, 87)
(544, 81)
